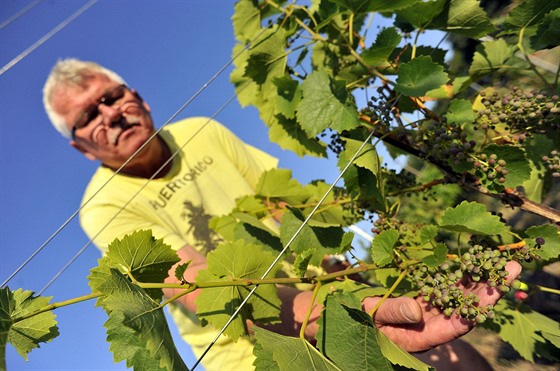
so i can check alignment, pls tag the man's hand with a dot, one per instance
(416, 326)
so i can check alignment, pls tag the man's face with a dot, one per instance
(109, 121)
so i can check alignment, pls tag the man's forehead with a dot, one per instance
(70, 95)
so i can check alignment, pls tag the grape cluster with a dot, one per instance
(334, 141)
(398, 182)
(445, 141)
(553, 163)
(521, 113)
(490, 169)
(440, 287)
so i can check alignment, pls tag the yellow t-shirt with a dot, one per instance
(213, 168)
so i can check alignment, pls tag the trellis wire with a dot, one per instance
(47, 36)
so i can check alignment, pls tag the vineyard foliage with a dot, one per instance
(479, 126)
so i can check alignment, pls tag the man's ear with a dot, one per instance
(84, 151)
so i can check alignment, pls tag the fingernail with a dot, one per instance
(410, 314)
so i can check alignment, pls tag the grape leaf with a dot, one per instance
(548, 32)
(367, 157)
(490, 56)
(439, 256)
(385, 43)
(460, 111)
(24, 334)
(129, 306)
(551, 248)
(419, 76)
(324, 238)
(142, 256)
(180, 271)
(278, 183)
(522, 327)
(289, 353)
(421, 14)
(357, 289)
(325, 104)
(289, 135)
(289, 95)
(471, 217)
(529, 12)
(230, 261)
(302, 261)
(465, 17)
(348, 336)
(517, 165)
(246, 20)
(382, 247)
(398, 356)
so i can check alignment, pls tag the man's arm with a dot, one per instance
(410, 323)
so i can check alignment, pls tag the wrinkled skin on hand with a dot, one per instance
(417, 326)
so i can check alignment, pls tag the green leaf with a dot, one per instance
(180, 271)
(530, 12)
(551, 248)
(325, 104)
(517, 165)
(398, 356)
(24, 334)
(466, 18)
(367, 158)
(439, 256)
(289, 353)
(460, 111)
(471, 217)
(237, 261)
(324, 238)
(385, 43)
(142, 256)
(289, 135)
(548, 32)
(246, 21)
(419, 76)
(382, 247)
(302, 261)
(421, 14)
(349, 286)
(131, 307)
(348, 336)
(427, 233)
(521, 327)
(490, 56)
(289, 96)
(278, 183)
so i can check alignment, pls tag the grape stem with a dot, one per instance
(389, 292)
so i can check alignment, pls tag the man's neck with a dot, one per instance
(153, 158)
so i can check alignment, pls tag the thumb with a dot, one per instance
(394, 311)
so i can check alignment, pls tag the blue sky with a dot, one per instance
(167, 50)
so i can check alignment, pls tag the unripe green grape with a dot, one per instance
(480, 318)
(516, 284)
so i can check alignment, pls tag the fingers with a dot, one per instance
(401, 310)
(491, 295)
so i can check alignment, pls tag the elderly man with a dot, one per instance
(108, 121)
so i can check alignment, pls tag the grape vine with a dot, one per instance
(481, 138)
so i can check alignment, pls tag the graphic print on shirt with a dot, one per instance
(198, 221)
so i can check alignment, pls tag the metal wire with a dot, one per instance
(18, 14)
(47, 36)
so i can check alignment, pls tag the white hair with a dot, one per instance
(70, 72)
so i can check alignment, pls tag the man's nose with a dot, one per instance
(110, 114)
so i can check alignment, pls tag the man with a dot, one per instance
(109, 122)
